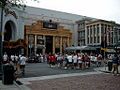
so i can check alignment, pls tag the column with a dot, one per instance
(111, 35)
(100, 34)
(90, 34)
(86, 34)
(96, 34)
(61, 44)
(35, 48)
(27, 40)
(93, 35)
(68, 41)
(53, 44)
(43, 50)
(107, 32)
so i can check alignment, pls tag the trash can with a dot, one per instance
(8, 74)
(110, 65)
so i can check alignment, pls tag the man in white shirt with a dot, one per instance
(22, 64)
(70, 61)
(75, 61)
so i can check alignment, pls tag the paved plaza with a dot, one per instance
(99, 79)
(84, 82)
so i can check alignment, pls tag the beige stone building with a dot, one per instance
(101, 30)
(47, 36)
(81, 31)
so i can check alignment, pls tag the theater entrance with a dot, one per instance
(10, 45)
(49, 44)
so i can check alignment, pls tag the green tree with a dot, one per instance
(14, 3)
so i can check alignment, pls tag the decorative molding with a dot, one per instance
(7, 12)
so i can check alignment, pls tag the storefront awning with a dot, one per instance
(80, 48)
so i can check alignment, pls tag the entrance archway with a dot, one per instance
(9, 38)
(10, 31)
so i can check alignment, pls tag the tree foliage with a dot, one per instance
(14, 3)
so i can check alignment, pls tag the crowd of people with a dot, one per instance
(114, 61)
(74, 60)
(83, 61)
(67, 61)
(17, 61)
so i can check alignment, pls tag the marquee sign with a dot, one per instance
(49, 25)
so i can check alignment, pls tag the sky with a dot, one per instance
(101, 9)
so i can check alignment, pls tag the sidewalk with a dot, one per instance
(28, 81)
(14, 86)
(105, 69)
(79, 81)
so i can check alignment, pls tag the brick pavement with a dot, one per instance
(76, 81)
(14, 86)
(85, 82)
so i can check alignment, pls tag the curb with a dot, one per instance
(105, 71)
(22, 87)
(102, 69)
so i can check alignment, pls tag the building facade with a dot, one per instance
(12, 25)
(101, 30)
(14, 21)
(94, 31)
(84, 32)
(12, 30)
(67, 20)
(81, 24)
(47, 37)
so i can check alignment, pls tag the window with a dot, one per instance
(40, 40)
(97, 28)
(91, 39)
(98, 41)
(102, 29)
(88, 40)
(94, 29)
(78, 35)
(94, 39)
(31, 39)
(105, 29)
(78, 26)
(88, 30)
